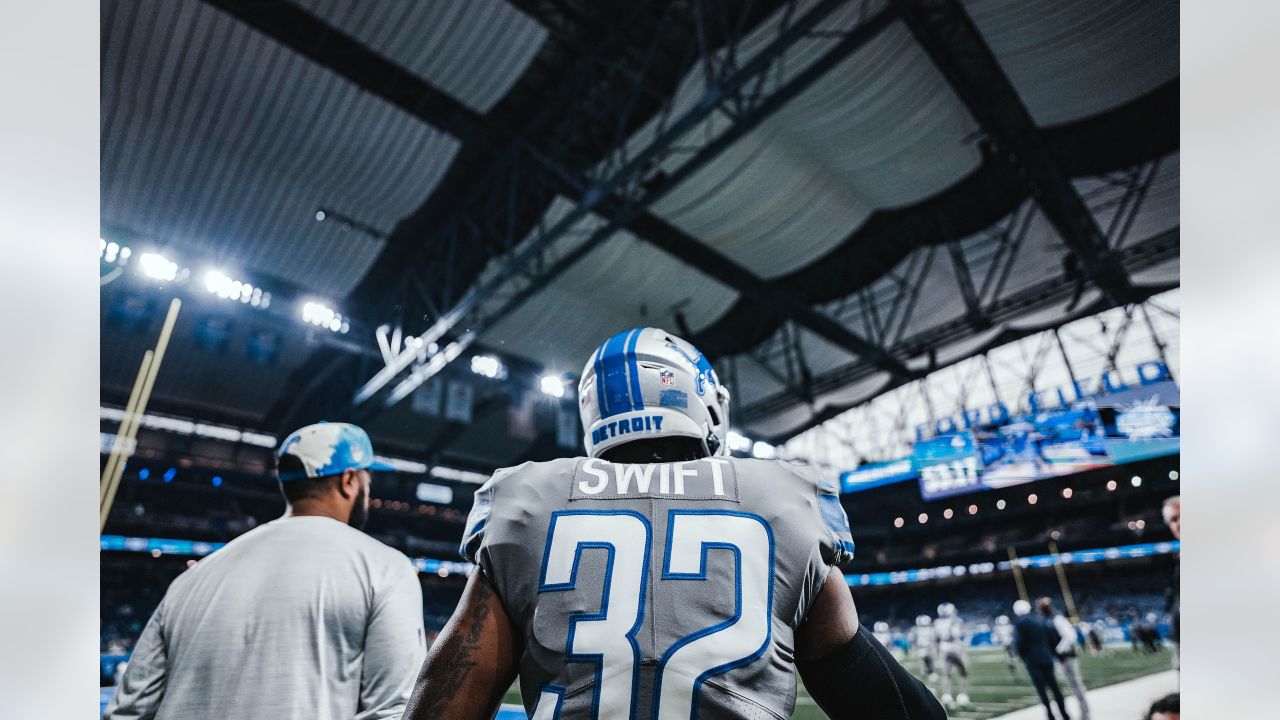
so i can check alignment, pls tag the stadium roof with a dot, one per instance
(912, 182)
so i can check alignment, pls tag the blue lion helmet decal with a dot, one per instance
(702, 367)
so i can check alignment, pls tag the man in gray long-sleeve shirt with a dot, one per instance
(304, 617)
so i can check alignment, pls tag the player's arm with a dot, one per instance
(142, 687)
(847, 671)
(472, 663)
(393, 645)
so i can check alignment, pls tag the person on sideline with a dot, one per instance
(1172, 512)
(1065, 653)
(303, 617)
(1035, 638)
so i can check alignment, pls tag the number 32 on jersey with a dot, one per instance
(607, 637)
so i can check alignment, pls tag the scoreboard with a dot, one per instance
(948, 465)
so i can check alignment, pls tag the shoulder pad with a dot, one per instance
(481, 509)
(838, 546)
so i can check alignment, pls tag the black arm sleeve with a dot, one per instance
(862, 680)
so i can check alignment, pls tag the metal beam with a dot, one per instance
(949, 36)
(1137, 256)
(769, 297)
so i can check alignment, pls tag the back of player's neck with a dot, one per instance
(316, 508)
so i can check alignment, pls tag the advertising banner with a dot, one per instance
(877, 474)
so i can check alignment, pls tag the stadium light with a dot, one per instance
(947, 513)
(488, 366)
(113, 253)
(898, 522)
(1141, 524)
(973, 509)
(924, 518)
(552, 385)
(1111, 485)
(1135, 481)
(1000, 504)
(156, 266)
(1032, 499)
(222, 285)
(1173, 474)
(763, 450)
(738, 441)
(1066, 493)
(321, 315)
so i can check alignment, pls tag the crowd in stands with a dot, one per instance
(1118, 594)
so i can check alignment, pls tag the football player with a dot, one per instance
(1002, 634)
(658, 577)
(924, 645)
(952, 652)
(885, 636)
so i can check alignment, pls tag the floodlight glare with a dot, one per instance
(157, 266)
(488, 366)
(318, 314)
(552, 385)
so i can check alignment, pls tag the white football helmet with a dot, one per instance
(946, 610)
(1002, 619)
(647, 383)
(923, 621)
(881, 627)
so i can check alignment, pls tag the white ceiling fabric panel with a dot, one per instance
(474, 50)
(1069, 59)
(222, 144)
(880, 130)
(621, 283)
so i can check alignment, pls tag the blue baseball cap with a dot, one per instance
(329, 449)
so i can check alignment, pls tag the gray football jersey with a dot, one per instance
(666, 590)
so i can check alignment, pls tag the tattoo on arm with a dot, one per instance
(468, 667)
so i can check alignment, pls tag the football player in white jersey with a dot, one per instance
(952, 653)
(1002, 636)
(885, 636)
(924, 645)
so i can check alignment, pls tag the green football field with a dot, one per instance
(995, 691)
